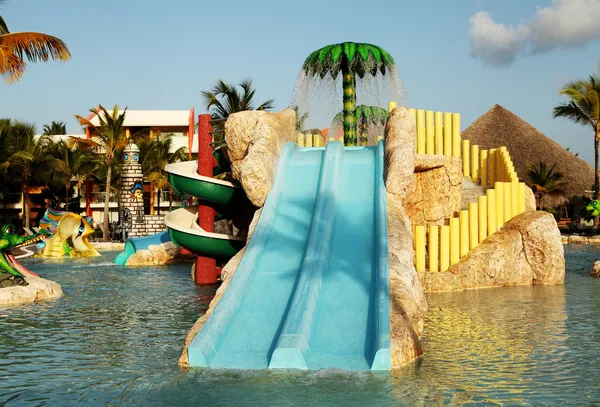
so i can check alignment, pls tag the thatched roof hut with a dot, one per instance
(500, 127)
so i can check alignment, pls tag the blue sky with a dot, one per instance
(159, 55)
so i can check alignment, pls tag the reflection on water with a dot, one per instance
(115, 338)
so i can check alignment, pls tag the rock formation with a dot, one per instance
(157, 254)
(38, 289)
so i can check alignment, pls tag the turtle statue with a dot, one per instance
(11, 271)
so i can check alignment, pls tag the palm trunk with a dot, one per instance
(26, 200)
(349, 83)
(68, 186)
(170, 199)
(158, 202)
(151, 198)
(596, 176)
(105, 231)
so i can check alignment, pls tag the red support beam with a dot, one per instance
(206, 268)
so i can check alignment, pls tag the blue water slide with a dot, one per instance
(311, 291)
(134, 244)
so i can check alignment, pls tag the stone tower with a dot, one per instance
(132, 185)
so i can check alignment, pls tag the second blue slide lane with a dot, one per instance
(311, 291)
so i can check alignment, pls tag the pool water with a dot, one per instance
(115, 337)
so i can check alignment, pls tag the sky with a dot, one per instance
(454, 56)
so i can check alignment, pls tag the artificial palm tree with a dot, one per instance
(16, 47)
(544, 180)
(225, 99)
(73, 160)
(584, 109)
(159, 154)
(27, 154)
(110, 136)
(55, 129)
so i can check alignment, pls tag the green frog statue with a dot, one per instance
(593, 208)
(11, 272)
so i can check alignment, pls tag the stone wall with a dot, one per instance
(527, 250)
(152, 224)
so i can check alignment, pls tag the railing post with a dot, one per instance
(456, 135)
(433, 248)
(514, 193)
(444, 247)
(439, 135)
(429, 131)
(491, 211)
(483, 227)
(507, 202)
(492, 166)
(499, 188)
(473, 226)
(464, 233)
(420, 131)
(448, 134)
(484, 168)
(475, 163)
(420, 248)
(454, 240)
(465, 159)
(522, 201)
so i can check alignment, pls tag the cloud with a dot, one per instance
(563, 24)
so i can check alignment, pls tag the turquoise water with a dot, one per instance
(115, 337)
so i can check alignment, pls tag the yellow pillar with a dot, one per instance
(514, 196)
(507, 202)
(475, 163)
(454, 240)
(308, 140)
(456, 135)
(473, 226)
(444, 247)
(464, 233)
(483, 227)
(483, 167)
(492, 223)
(439, 128)
(492, 166)
(420, 131)
(392, 106)
(501, 162)
(413, 113)
(301, 140)
(433, 248)
(448, 134)
(465, 159)
(420, 248)
(522, 204)
(429, 131)
(499, 188)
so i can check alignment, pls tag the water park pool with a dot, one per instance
(115, 337)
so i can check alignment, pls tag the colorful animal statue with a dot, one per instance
(11, 272)
(593, 208)
(69, 235)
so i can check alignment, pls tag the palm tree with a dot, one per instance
(584, 109)
(73, 160)
(157, 157)
(28, 155)
(224, 99)
(544, 180)
(109, 136)
(15, 47)
(55, 129)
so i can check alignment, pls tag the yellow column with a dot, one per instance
(420, 248)
(448, 134)
(522, 205)
(429, 131)
(465, 159)
(413, 112)
(501, 171)
(308, 140)
(492, 223)
(439, 128)
(492, 166)
(392, 106)
(499, 187)
(473, 226)
(301, 140)
(514, 196)
(454, 240)
(483, 227)
(483, 167)
(475, 163)
(420, 131)
(444, 247)
(507, 202)
(456, 135)
(464, 233)
(433, 248)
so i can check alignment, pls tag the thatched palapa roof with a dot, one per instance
(500, 127)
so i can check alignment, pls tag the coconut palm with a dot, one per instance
(55, 129)
(584, 108)
(158, 155)
(366, 116)
(351, 59)
(16, 47)
(73, 160)
(225, 99)
(109, 136)
(544, 180)
(27, 154)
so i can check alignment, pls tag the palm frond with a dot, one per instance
(3, 27)
(36, 46)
